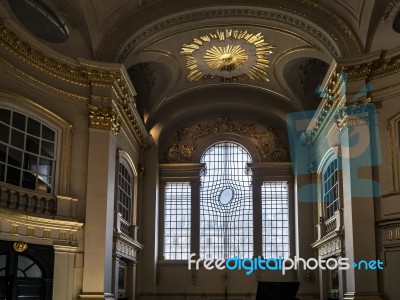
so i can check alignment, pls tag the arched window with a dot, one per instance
(27, 268)
(226, 203)
(330, 189)
(125, 192)
(27, 151)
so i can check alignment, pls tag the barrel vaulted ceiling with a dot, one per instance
(191, 60)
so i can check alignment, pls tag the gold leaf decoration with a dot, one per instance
(228, 55)
(266, 140)
(20, 247)
(225, 58)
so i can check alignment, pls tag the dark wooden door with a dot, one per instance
(26, 274)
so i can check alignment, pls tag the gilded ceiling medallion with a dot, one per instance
(226, 58)
(228, 55)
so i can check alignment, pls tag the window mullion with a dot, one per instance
(195, 217)
(257, 217)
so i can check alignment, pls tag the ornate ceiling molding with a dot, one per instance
(266, 141)
(332, 45)
(68, 76)
(229, 55)
(391, 7)
(120, 41)
(372, 66)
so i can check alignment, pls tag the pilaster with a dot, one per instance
(97, 275)
(358, 204)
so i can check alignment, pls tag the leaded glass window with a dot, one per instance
(275, 219)
(226, 204)
(330, 189)
(125, 191)
(177, 216)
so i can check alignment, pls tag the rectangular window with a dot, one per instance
(275, 219)
(177, 212)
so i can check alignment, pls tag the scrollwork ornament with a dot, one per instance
(266, 141)
(279, 154)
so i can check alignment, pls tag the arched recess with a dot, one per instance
(299, 72)
(262, 142)
(154, 74)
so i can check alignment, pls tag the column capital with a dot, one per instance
(103, 117)
(352, 120)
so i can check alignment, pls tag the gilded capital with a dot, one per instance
(352, 120)
(101, 117)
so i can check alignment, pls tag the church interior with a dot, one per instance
(199, 150)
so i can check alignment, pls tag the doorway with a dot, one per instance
(26, 271)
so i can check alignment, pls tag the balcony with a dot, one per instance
(333, 223)
(32, 202)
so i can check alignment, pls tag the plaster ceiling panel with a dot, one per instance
(305, 74)
(283, 43)
(353, 7)
(385, 37)
(104, 9)
(100, 16)
(218, 100)
(357, 13)
(306, 17)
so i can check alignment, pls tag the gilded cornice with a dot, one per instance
(352, 120)
(71, 73)
(371, 66)
(363, 68)
(333, 99)
(120, 42)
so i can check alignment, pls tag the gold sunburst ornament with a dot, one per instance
(228, 55)
(226, 58)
